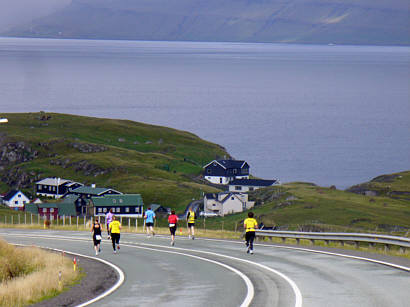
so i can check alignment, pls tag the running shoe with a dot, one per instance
(109, 237)
(251, 252)
(115, 252)
(96, 253)
(193, 237)
(172, 243)
(99, 250)
(248, 250)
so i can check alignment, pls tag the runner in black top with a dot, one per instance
(96, 230)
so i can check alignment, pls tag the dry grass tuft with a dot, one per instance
(28, 275)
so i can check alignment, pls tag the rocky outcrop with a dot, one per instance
(88, 148)
(17, 152)
(84, 167)
(19, 178)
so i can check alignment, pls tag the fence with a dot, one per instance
(342, 238)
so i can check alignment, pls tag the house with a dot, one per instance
(88, 192)
(36, 201)
(55, 187)
(224, 171)
(246, 185)
(226, 202)
(160, 210)
(48, 211)
(79, 203)
(16, 200)
(129, 205)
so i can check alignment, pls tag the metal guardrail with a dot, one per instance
(356, 238)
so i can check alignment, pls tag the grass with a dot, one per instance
(29, 275)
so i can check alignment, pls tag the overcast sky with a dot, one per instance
(13, 12)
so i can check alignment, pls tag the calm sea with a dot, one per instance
(324, 114)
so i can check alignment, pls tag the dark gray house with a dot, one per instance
(224, 171)
(55, 187)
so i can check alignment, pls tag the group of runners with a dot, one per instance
(114, 228)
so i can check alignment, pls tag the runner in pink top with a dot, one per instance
(108, 220)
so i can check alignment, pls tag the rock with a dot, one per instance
(87, 148)
(148, 142)
(332, 187)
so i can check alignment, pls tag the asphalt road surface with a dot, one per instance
(207, 272)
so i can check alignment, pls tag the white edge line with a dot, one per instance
(119, 282)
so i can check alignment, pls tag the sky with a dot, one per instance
(13, 12)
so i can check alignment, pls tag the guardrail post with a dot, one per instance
(136, 224)
(386, 247)
(342, 243)
(129, 224)
(327, 242)
(356, 244)
(283, 239)
(312, 241)
(371, 244)
(297, 241)
(402, 250)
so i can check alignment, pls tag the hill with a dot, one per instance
(296, 21)
(308, 207)
(159, 163)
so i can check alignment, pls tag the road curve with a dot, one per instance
(207, 272)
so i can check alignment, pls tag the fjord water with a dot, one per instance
(332, 115)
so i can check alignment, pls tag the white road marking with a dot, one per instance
(246, 302)
(119, 282)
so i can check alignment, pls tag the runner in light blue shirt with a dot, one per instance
(149, 221)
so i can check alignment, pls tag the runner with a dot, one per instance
(191, 217)
(149, 221)
(115, 230)
(96, 229)
(250, 224)
(108, 220)
(173, 223)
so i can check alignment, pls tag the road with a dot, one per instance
(207, 272)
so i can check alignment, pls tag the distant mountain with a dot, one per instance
(382, 22)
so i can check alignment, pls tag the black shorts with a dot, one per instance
(172, 230)
(191, 225)
(115, 238)
(96, 242)
(149, 224)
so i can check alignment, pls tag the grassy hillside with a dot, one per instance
(132, 157)
(305, 206)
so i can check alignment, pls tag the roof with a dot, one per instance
(228, 163)
(155, 207)
(118, 200)
(10, 194)
(229, 195)
(31, 208)
(91, 190)
(253, 182)
(47, 205)
(52, 181)
(66, 209)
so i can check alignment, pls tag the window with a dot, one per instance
(40, 187)
(114, 201)
(24, 202)
(105, 210)
(19, 195)
(208, 170)
(118, 210)
(99, 210)
(238, 188)
(51, 210)
(235, 171)
(232, 198)
(120, 200)
(251, 188)
(127, 209)
(137, 210)
(16, 202)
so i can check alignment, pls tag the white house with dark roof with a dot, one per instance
(226, 203)
(224, 171)
(55, 187)
(16, 200)
(246, 185)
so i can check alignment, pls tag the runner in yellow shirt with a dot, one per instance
(115, 230)
(250, 224)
